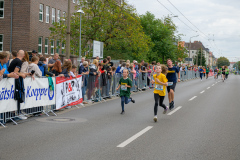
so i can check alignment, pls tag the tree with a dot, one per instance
(118, 26)
(237, 65)
(222, 61)
(197, 59)
(162, 35)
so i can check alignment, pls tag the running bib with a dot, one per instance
(123, 87)
(170, 83)
(159, 87)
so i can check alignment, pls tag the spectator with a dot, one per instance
(97, 58)
(34, 53)
(57, 69)
(123, 67)
(53, 60)
(33, 67)
(4, 57)
(73, 72)
(14, 55)
(85, 80)
(42, 64)
(25, 63)
(66, 68)
(16, 65)
(119, 66)
(109, 61)
(81, 62)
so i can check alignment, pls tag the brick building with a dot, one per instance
(25, 24)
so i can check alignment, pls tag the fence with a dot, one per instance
(93, 89)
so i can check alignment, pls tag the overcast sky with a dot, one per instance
(219, 20)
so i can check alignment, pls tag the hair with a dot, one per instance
(35, 58)
(164, 69)
(14, 53)
(104, 60)
(3, 55)
(74, 66)
(127, 64)
(85, 63)
(88, 60)
(121, 61)
(95, 61)
(26, 57)
(57, 66)
(153, 62)
(128, 61)
(123, 64)
(131, 67)
(145, 64)
(126, 70)
(169, 60)
(42, 59)
(68, 65)
(142, 60)
(108, 58)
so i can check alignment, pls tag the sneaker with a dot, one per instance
(122, 112)
(171, 105)
(21, 116)
(165, 110)
(132, 100)
(155, 118)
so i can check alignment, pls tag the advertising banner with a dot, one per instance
(68, 91)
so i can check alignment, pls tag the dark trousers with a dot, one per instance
(158, 101)
(201, 74)
(125, 100)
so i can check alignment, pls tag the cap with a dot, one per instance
(34, 51)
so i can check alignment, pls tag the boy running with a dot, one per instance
(160, 81)
(125, 84)
(171, 76)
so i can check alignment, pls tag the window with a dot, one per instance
(74, 1)
(1, 42)
(53, 15)
(58, 16)
(41, 12)
(1, 9)
(63, 47)
(52, 46)
(47, 14)
(78, 2)
(192, 51)
(46, 45)
(58, 46)
(40, 45)
(64, 16)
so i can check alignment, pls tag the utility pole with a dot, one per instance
(201, 57)
(68, 31)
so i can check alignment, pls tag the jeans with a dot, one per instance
(126, 100)
(109, 82)
(201, 74)
(84, 88)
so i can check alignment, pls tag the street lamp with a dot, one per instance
(189, 47)
(80, 48)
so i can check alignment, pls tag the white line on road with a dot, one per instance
(202, 92)
(134, 137)
(208, 88)
(192, 98)
(175, 110)
(213, 85)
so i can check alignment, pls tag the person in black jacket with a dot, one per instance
(43, 62)
(66, 68)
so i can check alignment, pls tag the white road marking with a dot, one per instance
(208, 87)
(175, 110)
(125, 143)
(202, 92)
(192, 98)
(213, 85)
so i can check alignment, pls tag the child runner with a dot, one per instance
(201, 72)
(227, 72)
(223, 73)
(125, 85)
(160, 81)
(215, 73)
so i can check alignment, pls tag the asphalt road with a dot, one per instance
(205, 125)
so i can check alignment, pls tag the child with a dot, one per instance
(201, 72)
(161, 82)
(125, 83)
(73, 72)
(33, 67)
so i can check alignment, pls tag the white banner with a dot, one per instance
(37, 93)
(68, 91)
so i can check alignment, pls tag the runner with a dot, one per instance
(207, 72)
(223, 73)
(227, 72)
(125, 85)
(201, 72)
(172, 79)
(160, 81)
(215, 73)
(204, 71)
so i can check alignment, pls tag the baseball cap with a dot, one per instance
(34, 51)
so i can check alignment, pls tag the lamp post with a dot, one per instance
(80, 48)
(189, 47)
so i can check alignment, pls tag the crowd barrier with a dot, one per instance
(68, 92)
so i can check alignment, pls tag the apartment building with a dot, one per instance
(25, 24)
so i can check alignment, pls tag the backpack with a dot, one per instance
(42, 69)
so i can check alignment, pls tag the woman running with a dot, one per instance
(161, 82)
(223, 73)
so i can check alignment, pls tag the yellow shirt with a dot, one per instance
(160, 89)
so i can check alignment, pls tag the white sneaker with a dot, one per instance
(21, 116)
(155, 118)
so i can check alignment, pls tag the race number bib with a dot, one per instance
(159, 87)
(123, 87)
(170, 83)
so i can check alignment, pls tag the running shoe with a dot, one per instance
(122, 112)
(171, 105)
(21, 116)
(165, 110)
(132, 100)
(155, 118)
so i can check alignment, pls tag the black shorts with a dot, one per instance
(171, 87)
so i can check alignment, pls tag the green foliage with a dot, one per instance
(237, 65)
(222, 61)
(199, 57)
(117, 26)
